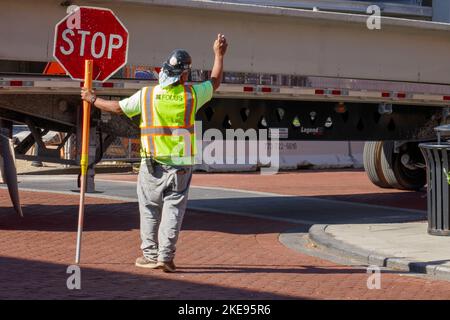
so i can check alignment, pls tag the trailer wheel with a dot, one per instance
(372, 163)
(396, 173)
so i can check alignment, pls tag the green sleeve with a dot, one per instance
(132, 106)
(203, 92)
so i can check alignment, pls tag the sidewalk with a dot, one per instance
(401, 246)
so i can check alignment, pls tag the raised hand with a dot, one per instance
(220, 45)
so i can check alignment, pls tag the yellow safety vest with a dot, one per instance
(168, 124)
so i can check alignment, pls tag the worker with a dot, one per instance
(167, 116)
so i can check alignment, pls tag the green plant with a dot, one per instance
(447, 175)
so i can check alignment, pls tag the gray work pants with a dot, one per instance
(162, 202)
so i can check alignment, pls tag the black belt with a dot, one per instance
(151, 161)
(151, 164)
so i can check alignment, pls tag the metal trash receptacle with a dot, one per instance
(437, 157)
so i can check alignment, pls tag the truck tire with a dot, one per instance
(396, 174)
(372, 163)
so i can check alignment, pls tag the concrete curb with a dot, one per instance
(319, 235)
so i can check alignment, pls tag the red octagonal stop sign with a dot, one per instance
(91, 33)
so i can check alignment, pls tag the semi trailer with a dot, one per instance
(314, 70)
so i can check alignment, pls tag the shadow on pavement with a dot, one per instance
(300, 269)
(25, 279)
(125, 216)
(408, 199)
(310, 210)
(119, 217)
(105, 217)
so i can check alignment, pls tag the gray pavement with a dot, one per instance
(295, 209)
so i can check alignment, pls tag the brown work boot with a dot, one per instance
(166, 266)
(144, 262)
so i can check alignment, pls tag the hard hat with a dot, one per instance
(177, 62)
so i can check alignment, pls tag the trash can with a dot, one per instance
(437, 157)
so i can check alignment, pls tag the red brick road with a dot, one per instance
(219, 257)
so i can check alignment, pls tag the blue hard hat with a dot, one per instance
(177, 62)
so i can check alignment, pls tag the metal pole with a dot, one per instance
(84, 154)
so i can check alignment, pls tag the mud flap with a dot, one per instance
(9, 172)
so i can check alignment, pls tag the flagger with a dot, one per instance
(168, 147)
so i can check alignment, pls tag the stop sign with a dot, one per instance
(91, 33)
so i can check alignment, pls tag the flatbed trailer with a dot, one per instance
(313, 74)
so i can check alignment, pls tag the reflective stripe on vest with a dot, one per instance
(150, 132)
(147, 110)
(189, 100)
(166, 130)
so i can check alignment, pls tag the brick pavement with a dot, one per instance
(219, 257)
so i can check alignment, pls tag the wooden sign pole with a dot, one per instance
(88, 68)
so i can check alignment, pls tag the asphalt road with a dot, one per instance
(297, 209)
